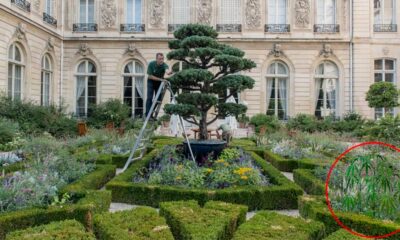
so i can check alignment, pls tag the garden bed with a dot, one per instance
(87, 201)
(282, 194)
(314, 207)
(306, 179)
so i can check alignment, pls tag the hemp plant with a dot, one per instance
(371, 186)
(212, 71)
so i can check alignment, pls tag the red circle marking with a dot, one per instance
(328, 202)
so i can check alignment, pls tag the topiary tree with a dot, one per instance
(211, 71)
(383, 95)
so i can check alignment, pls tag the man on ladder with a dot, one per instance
(155, 71)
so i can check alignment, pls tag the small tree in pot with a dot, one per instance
(383, 95)
(212, 71)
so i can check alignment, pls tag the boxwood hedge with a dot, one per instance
(342, 235)
(310, 183)
(314, 207)
(274, 226)
(283, 194)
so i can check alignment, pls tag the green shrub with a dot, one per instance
(351, 122)
(242, 142)
(271, 123)
(342, 235)
(306, 180)
(165, 118)
(112, 110)
(273, 226)
(69, 229)
(215, 221)
(386, 129)
(304, 122)
(139, 223)
(8, 130)
(382, 95)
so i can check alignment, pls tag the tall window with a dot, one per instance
(45, 81)
(134, 87)
(384, 11)
(277, 90)
(134, 11)
(15, 72)
(229, 12)
(326, 89)
(326, 11)
(385, 71)
(85, 88)
(180, 11)
(86, 11)
(49, 7)
(277, 11)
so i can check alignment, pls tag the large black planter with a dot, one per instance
(202, 149)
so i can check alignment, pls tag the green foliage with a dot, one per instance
(351, 122)
(197, 46)
(8, 130)
(307, 181)
(382, 95)
(216, 220)
(303, 122)
(385, 129)
(165, 118)
(32, 118)
(112, 110)
(136, 224)
(69, 229)
(271, 123)
(266, 225)
(242, 118)
(57, 201)
(342, 235)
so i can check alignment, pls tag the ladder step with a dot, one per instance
(137, 158)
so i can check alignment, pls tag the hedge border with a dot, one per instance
(282, 195)
(342, 235)
(308, 182)
(314, 207)
(89, 202)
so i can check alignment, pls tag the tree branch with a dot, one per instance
(212, 121)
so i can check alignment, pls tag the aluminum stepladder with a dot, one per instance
(141, 140)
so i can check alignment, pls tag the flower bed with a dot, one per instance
(282, 194)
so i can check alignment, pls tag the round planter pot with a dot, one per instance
(203, 148)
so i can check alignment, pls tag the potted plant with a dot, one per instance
(243, 120)
(211, 71)
(165, 120)
(383, 95)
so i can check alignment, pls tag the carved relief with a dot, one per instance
(276, 51)
(204, 12)
(156, 13)
(108, 13)
(84, 50)
(326, 51)
(50, 44)
(20, 31)
(253, 14)
(302, 8)
(133, 51)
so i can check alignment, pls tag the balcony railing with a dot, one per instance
(49, 19)
(385, 27)
(277, 28)
(132, 27)
(84, 27)
(174, 27)
(23, 4)
(326, 28)
(229, 27)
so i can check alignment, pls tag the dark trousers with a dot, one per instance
(152, 88)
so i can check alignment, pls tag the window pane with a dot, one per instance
(91, 68)
(82, 67)
(128, 81)
(378, 77)
(272, 11)
(389, 77)
(281, 69)
(320, 11)
(10, 52)
(10, 79)
(92, 81)
(389, 65)
(377, 11)
(138, 11)
(17, 56)
(91, 11)
(379, 64)
(229, 12)
(130, 11)
(388, 12)
(17, 82)
(82, 11)
(281, 18)
(139, 67)
(330, 12)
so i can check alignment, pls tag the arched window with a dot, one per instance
(134, 87)
(277, 90)
(326, 90)
(15, 72)
(46, 79)
(85, 88)
(384, 71)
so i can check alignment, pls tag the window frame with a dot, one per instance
(46, 72)
(86, 76)
(276, 12)
(324, 22)
(87, 20)
(325, 77)
(14, 63)
(382, 13)
(133, 16)
(188, 7)
(383, 71)
(275, 78)
(220, 19)
(134, 75)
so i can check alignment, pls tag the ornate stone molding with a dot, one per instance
(204, 11)
(108, 13)
(84, 50)
(276, 51)
(253, 14)
(326, 51)
(50, 44)
(302, 9)
(20, 31)
(36, 5)
(133, 51)
(156, 12)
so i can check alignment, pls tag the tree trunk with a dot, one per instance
(203, 126)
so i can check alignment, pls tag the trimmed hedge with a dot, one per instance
(69, 229)
(283, 194)
(242, 142)
(342, 235)
(139, 223)
(273, 226)
(93, 181)
(314, 207)
(215, 221)
(311, 184)
(288, 165)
